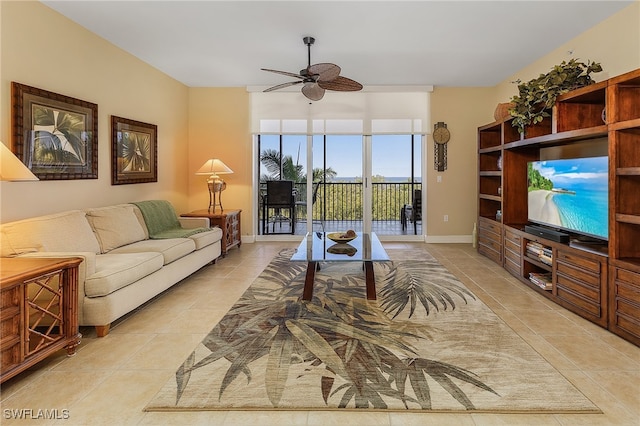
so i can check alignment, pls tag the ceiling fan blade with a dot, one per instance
(313, 91)
(290, 74)
(341, 84)
(324, 71)
(282, 86)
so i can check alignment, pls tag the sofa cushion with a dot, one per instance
(170, 248)
(115, 226)
(65, 231)
(204, 239)
(138, 213)
(115, 271)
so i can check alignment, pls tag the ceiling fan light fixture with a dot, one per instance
(313, 91)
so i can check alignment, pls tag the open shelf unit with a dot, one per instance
(490, 171)
(623, 106)
(577, 275)
(490, 190)
(599, 282)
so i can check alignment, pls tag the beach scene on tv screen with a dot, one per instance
(570, 194)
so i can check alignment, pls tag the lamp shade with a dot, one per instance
(214, 166)
(11, 168)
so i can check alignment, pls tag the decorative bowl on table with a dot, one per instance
(342, 237)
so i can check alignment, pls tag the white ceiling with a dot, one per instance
(440, 43)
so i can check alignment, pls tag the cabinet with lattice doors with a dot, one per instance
(38, 311)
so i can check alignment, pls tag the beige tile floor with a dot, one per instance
(111, 379)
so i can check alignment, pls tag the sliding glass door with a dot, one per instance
(337, 160)
(396, 183)
(364, 183)
(280, 158)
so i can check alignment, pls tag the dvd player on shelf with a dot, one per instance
(549, 234)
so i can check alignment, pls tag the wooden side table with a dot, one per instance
(228, 221)
(38, 310)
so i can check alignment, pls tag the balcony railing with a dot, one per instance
(341, 202)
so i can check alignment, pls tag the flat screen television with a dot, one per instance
(570, 195)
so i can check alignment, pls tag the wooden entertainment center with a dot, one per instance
(600, 282)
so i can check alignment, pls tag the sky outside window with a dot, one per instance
(391, 154)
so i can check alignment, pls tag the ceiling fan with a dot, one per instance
(317, 78)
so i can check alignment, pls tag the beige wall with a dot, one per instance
(199, 123)
(219, 128)
(614, 43)
(41, 48)
(464, 110)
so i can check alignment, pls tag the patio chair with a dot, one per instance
(412, 212)
(279, 198)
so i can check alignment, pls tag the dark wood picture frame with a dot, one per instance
(134, 153)
(54, 135)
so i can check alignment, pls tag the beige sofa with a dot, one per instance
(122, 267)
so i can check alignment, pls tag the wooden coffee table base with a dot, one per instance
(312, 266)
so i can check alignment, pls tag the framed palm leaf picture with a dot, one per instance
(134, 152)
(54, 135)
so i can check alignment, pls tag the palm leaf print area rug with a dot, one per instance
(426, 343)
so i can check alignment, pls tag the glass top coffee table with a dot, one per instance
(317, 247)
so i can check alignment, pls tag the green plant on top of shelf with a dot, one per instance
(538, 95)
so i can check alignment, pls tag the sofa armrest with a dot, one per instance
(194, 222)
(86, 268)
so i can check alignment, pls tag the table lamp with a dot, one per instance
(214, 167)
(11, 168)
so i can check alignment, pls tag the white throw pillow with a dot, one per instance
(115, 226)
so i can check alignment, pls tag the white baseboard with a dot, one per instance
(456, 239)
(276, 237)
(435, 239)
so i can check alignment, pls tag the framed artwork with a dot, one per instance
(55, 136)
(134, 151)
